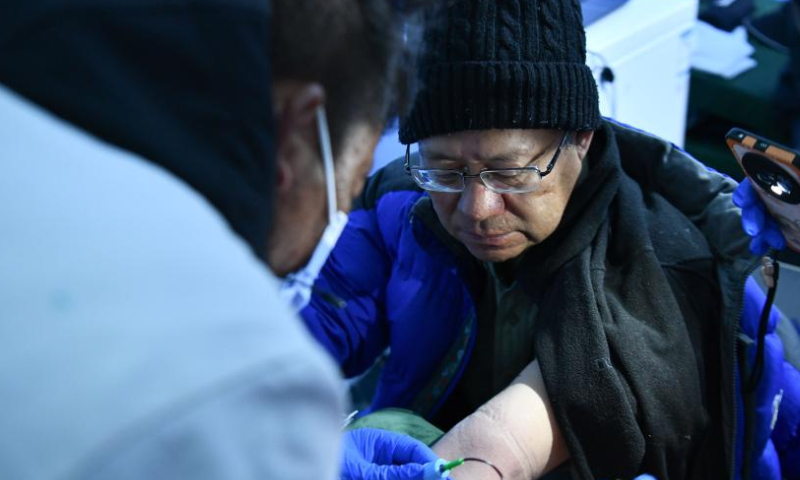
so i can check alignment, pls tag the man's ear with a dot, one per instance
(284, 175)
(582, 142)
(296, 105)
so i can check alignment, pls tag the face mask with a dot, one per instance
(298, 286)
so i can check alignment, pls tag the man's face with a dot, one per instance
(301, 213)
(498, 227)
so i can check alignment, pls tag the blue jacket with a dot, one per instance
(398, 275)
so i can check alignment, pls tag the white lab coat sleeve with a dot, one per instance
(278, 423)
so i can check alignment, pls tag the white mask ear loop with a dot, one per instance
(298, 287)
(327, 160)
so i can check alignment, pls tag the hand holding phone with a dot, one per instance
(757, 222)
(774, 173)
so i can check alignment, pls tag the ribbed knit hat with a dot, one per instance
(490, 64)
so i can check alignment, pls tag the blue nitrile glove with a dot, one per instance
(373, 454)
(756, 221)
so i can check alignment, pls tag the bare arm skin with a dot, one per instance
(515, 430)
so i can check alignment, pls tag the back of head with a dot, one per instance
(183, 83)
(513, 64)
(353, 48)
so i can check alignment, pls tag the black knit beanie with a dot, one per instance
(489, 64)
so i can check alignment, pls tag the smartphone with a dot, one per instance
(774, 172)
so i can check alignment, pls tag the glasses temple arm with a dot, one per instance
(557, 154)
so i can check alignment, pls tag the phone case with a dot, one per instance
(774, 172)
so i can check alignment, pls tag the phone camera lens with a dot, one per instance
(778, 184)
(771, 178)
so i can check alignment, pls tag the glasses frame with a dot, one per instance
(465, 176)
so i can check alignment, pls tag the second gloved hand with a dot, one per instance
(756, 220)
(373, 454)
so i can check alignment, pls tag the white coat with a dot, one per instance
(139, 336)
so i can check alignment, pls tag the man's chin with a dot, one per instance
(494, 254)
(494, 248)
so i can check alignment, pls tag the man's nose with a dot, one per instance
(478, 203)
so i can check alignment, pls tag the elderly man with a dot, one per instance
(554, 288)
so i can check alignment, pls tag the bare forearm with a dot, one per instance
(515, 430)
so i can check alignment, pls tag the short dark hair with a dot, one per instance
(354, 48)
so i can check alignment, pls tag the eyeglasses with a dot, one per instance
(498, 180)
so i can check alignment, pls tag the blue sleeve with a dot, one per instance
(776, 443)
(357, 272)
(780, 407)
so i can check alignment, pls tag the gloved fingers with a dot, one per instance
(385, 472)
(357, 471)
(359, 444)
(772, 234)
(409, 450)
(756, 222)
(744, 196)
(383, 447)
(759, 246)
(753, 219)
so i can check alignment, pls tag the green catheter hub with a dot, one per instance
(440, 468)
(446, 467)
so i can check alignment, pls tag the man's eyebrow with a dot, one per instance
(508, 157)
(437, 156)
(513, 157)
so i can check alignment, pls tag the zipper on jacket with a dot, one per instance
(734, 413)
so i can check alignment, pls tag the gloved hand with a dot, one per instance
(373, 454)
(756, 221)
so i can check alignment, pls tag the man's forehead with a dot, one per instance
(487, 144)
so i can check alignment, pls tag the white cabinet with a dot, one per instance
(646, 45)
